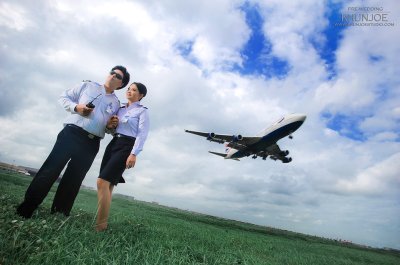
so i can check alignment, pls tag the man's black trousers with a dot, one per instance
(73, 146)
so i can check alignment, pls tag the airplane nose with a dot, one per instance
(302, 117)
(298, 116)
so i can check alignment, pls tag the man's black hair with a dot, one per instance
(127, 76)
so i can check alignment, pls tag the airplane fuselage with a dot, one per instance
(269, 136)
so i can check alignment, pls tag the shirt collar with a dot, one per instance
(133, 105)
(105, 92)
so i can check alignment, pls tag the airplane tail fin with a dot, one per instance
(218, 154)
(223, 155)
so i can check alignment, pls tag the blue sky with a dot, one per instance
(231, 67)
(256, 52)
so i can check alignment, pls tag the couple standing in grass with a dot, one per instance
(95, 110)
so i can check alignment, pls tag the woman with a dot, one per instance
(132, 126)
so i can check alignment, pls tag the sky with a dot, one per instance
(229, 67)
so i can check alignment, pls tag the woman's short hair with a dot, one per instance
(142, 88)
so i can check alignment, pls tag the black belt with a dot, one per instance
(124, 136)
(81, 130)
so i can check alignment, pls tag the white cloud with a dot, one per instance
(385, 136)
(13, 16)
(216, 39)
(59, 56)
(291, 27)
(378, 179)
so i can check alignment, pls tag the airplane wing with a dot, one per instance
(235, 141)
(275, 153)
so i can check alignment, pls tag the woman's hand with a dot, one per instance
(131, 161)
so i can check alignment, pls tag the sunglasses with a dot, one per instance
(118, 76)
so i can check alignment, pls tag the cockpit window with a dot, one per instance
(280, 120)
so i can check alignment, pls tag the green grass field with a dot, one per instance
(145, 233)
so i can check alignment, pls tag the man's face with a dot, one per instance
(114, 79)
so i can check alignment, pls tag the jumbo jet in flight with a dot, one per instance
(262, 145)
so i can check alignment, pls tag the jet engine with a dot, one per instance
(236, 138)
(210, 136)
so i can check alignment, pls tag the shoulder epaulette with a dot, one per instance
(89, 81)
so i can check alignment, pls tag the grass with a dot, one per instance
(145, 233)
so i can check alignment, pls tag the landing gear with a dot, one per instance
(290, 136)
(254, 156)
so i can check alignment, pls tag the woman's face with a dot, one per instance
(132, 94)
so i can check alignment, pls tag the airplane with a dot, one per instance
(262, 145)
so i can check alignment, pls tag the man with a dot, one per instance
(91, 106)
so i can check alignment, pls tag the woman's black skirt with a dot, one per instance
(114, 159)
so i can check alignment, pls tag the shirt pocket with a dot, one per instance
(111, 105)
(89, 95)
(133, 117)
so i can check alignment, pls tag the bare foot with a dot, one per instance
(100, 228)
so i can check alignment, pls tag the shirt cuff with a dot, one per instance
(72, 108)
(135, 152)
